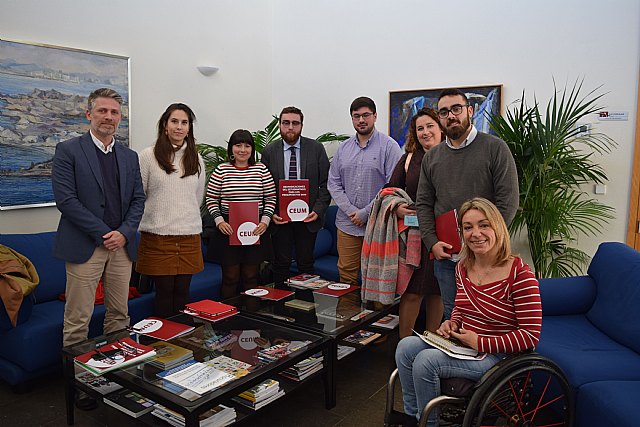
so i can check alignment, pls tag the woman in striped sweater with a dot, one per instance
(497, 311)
(242, 179)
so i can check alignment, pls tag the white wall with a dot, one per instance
(321, 55)
(344, 49)
(165, 40)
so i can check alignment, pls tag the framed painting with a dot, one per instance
(403, 105)
(43, 101)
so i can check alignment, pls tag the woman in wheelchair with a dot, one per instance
(497, 311)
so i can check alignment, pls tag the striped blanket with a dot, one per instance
(381, 248)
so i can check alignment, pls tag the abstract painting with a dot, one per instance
(43, 101)
(403, 105)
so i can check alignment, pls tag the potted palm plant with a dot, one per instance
(555, 161)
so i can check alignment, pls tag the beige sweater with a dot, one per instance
(172, 207)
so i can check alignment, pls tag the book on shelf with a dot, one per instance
(336, 290)
(448, 231)
(450, 346)
(305, 368)
(260, 395)
(161, 329)
(281, 350)
(235, 367)
(261, 391)
(302, 279)
(219, 416)
(340, 313)
(198, 377)
(130, 402)
(97, 382)
(115, 355)
(169, 355)
(299, 304)
(344, 350)
(176, 389)
(362, 337)
(293, 199)
(389, 321)
(272, 294)
(210, 310)
(243, 219)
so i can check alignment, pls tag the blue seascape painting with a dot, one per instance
(43, 101)
(403, 105)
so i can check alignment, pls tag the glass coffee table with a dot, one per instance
(332, 317)
(244, 336)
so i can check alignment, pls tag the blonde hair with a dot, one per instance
(503, 242)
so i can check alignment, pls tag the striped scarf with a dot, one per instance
(380, 249)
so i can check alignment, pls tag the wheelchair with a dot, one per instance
(522, 390)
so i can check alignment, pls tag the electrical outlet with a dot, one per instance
(584, 129)
(600, 189)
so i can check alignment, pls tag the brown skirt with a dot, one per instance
(169, 255)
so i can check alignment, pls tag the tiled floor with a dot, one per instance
(361, 399)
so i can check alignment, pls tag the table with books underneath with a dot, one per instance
(212, 366)
(333, 310)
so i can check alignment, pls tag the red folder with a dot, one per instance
(211, 308)
(293, 197)
(243, 218)
(327, 290)
(161, 329)
(448, 231)
(268, 293)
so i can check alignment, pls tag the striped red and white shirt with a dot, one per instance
(229, 183)
(506, 315)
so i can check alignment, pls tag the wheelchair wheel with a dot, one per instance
(533, 392)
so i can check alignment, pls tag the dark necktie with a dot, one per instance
(293, 164)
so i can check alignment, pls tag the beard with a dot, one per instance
(455, 129)
(290, 137)
(364, 131)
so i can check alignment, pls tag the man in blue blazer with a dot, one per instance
(98, 190)
(296, 157)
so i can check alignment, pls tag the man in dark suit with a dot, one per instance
(296, 157)
(98, 190)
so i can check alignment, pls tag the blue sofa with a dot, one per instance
(591, 328)
(32, 348)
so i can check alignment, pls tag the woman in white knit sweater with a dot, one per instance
(173, 179)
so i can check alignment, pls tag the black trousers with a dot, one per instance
(286, 238)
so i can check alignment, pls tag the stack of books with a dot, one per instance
(260, 395)
(169, 355)
(362, 337)
(129, 402)
(115, 355)
(299, 304)
(212, 311)
(219, 416)
(197, 377)
(302, 370)
(278, 351)
(344, 350)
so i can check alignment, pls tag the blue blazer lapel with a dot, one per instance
(121, 158)
(89, 149)
(279, 159)
(303, 158)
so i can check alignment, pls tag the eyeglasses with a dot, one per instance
(443, 113)
(287, 123)
(363, 115)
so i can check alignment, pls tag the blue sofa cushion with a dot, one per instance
(330, 225)
(609, 403)
(324, 242)
(37, 247)
(567, 295)
(584, 352)
(616, 269)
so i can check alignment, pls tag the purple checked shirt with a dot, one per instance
(357, 174)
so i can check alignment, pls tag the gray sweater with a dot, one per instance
(449, 177)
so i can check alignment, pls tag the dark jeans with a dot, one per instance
(286, 238)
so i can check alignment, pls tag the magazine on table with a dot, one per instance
(115, 355)
(130, 403)
(199, 377)
(161, 329)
